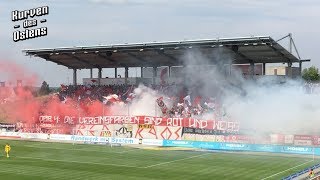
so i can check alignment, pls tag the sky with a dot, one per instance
(105, 22)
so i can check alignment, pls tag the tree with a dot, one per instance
(311, 74)
(44, 89)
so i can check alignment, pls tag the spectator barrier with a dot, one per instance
(306, 170)
(307, 150)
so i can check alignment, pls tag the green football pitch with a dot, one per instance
(40, 160)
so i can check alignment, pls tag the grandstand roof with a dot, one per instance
(260, 49)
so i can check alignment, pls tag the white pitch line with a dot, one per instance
(88, 150)
(287, 170)
(128, 151)
(175, 160)
(80, 162)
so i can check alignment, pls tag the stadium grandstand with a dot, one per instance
(193, 117)
(247, 50)
(162, 65)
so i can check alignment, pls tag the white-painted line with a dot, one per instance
(80, 162)
(69, 149)
(175, 160)
(81, 149)
(135, 149)
(287, 170)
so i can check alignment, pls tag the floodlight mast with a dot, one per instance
(291, 44)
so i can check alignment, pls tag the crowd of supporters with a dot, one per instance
(174, 100)
(181, 103)
(94, 92)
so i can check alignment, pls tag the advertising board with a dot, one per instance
(124, 140)
(244, 147)
(34, 136)
(14, 135)
(152, 142)
(60, 137)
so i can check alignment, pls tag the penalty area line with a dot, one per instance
(287, 170)
(167, 162)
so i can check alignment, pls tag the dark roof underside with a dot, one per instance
(239, 50)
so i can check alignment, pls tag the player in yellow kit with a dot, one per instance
(7, 149)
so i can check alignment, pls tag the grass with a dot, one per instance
(39, 160)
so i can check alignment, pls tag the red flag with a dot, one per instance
(197, 100)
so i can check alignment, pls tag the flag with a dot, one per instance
(197, 100)
(105, 101)
(64, 100)
(162, 106)
(188, 99)
(209, 105)
(130, 97)
(111, 98)
(180, 104)
(129, 90)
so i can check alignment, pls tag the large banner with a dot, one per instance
(141, 127)
(221, 125)
(140, 131)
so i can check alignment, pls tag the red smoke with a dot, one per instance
(19, 104)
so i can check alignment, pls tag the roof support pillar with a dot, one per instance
(141, 72)
(230, 69)
(300, 68)
(289, 71)
(74, 77)
(115, 72)
(251, 70)
(263, 68)
(91, 73)
(126, 74)
(169, 70)
(99, 76)
(154, 75)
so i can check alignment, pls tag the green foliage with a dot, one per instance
(311, 74)
(44, 90)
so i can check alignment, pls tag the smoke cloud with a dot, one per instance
(263, 105)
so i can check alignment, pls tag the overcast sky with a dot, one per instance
(93, 22)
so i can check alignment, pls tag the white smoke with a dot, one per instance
(266, 105)
(144, 103)
(278, 108)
